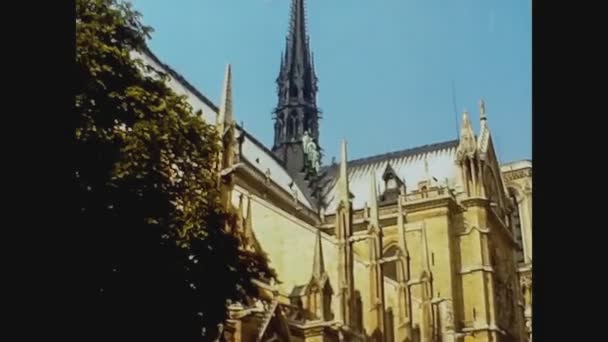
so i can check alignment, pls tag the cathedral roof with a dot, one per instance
(410, 165)
(253, 151)
(180, 85)
(266, 162)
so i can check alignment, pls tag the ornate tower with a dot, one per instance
(296, 112)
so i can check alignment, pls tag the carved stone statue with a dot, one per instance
(446, 314)
(315, 159)
(526, 288)
(306, 140)
(314, 156)
(311, 151)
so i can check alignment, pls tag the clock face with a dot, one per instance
(392, 184)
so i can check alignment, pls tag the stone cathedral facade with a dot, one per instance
(431, 243)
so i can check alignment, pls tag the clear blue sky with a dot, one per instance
(385, 67)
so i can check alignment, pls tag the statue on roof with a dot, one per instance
(311, 151)
(314, 157)
(306, 140)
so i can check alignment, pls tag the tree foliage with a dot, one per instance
(160, 261)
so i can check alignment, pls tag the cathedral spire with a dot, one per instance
(296, 111)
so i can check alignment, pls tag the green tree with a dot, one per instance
(158, 257)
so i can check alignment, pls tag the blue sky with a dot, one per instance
(385, 67)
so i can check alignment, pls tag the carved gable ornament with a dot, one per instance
(467, 146)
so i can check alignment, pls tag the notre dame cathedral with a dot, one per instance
(430, 243)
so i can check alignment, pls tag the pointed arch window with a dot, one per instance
(277, 131)
(290, 126)
(293, 90)
(296, 128)
(389, 269)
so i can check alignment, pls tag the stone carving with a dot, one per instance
(526, 289)
(447, 315)
(467, 146)
(294, 194)
(315, 158)
(311, 152)
(306, 142)
(517, 174)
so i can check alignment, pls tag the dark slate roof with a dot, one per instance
(408, 164)
(332, 170)
(181, 79)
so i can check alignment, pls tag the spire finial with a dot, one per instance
(467, 145)
(318, 268)
(482, 110)
(374, 219)
(343, 180)
(225, 115)
(465, 114)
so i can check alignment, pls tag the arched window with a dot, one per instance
(277, 131)
(293, 90)
(290, 126)
(389, 269)
(296, 126)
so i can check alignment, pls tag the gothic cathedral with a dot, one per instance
(426, 244)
